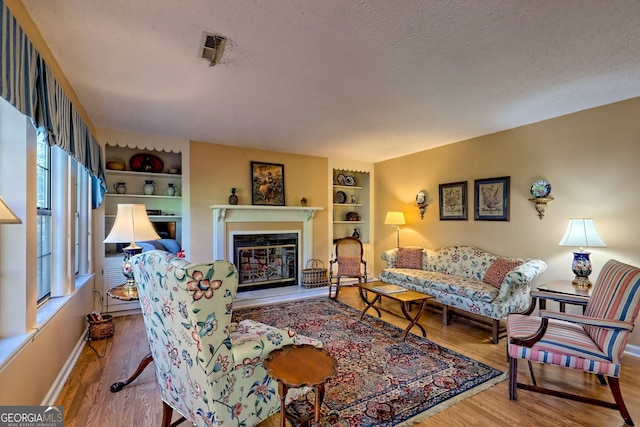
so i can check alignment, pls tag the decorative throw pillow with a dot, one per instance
(496, 272)
(348, 266)
(409, 258)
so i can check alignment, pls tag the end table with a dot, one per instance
(564, 292)
(127, 293)
(300, 365)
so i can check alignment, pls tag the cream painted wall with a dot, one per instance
(590, 158)
(216, 168)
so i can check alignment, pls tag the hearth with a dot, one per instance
(266, 260)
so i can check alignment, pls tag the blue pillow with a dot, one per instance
(151, 245)
(170, 245)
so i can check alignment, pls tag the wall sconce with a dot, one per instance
(421, 202)
(540, 191)
(541, 204)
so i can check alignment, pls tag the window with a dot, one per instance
(44, 230)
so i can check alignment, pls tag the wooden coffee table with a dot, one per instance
(405, 298)
(300, 365)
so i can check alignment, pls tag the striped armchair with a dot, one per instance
(593, 342)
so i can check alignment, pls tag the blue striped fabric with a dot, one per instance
(19, 61)
(615, 297)
(28, 84)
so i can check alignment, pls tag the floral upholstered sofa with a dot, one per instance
(465, 278)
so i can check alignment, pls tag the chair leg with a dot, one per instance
(167, 412)
(614, 385)
(337, 285)
(533, 377)
(513, 378)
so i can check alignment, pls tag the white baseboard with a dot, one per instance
(58, 384)
(633, 350)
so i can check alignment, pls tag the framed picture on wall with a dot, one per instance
(267, 184)
(453, 201)
(492, 199)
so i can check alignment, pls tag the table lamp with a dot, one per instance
(395, 219)
(581, 232)
(131, 224)
(6, 214)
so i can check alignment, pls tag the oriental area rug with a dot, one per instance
(380, 380)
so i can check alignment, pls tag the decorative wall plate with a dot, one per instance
(340, 179)
(145, 162)
(540, 188)
(349, 180)
(341, 197)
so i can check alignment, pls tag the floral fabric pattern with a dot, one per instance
(453, 276)
(209, 369)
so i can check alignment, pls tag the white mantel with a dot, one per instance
(222, 214)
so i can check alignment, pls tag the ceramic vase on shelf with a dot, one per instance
(356, 233)
(149, 188)
(171, 190)
(120, 187)
(233, 198)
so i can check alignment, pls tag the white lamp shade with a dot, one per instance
(6, 214)
(582, 232)
(395, 218)
(132, 224)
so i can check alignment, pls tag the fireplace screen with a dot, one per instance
(266, 261)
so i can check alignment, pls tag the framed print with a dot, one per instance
(492, 199)
(267, 184)
(453, 201)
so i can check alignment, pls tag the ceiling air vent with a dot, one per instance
(211, 47)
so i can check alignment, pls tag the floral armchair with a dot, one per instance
(209, 369)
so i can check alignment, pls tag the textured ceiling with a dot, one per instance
(369, 80)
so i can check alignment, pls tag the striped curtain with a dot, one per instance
(29, 85)
(19, 65)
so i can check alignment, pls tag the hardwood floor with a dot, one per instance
(88, 402)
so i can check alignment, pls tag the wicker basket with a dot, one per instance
(99, 329)
(314, 275)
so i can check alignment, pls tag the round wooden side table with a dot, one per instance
(127, 293)
(300, 365)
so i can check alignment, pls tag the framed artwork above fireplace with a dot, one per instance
(267, 184)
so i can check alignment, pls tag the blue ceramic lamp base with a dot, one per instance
(127, 269)
(581, 267)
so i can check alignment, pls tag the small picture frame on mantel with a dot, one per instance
(267, 184)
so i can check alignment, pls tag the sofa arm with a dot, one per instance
(391, 257)
(519, 279)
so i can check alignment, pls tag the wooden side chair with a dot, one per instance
(348, 264)
(592, 342)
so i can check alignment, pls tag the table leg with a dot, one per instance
(319, 389)
(543, 304)
(369, 303)
(414, 321)
(282, 389)
(143, 364)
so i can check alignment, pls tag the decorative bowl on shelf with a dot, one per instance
(116, 166)
(353, 216)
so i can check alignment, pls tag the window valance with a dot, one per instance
(28, 84)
